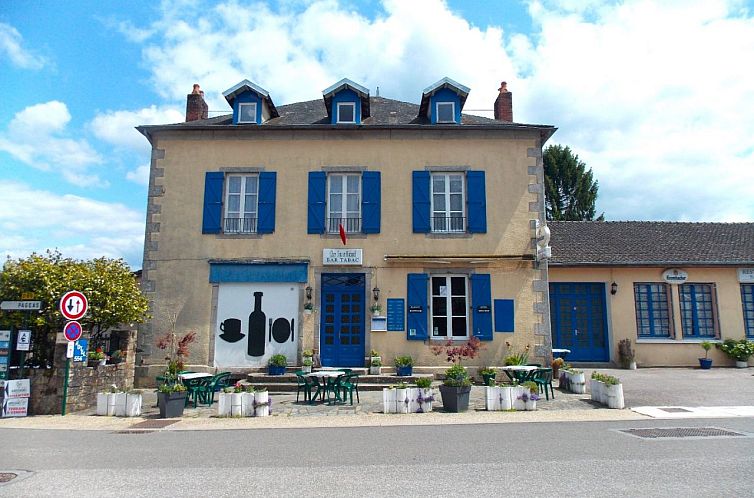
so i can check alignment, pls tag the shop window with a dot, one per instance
(653, 316)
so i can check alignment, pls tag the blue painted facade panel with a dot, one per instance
(264, 272)
(444, 95)
(247, 98)
(345, 95)
(504, 315)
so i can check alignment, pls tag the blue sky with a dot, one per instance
(654, 96)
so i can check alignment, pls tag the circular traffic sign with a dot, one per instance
(72, 331)
(73, 305)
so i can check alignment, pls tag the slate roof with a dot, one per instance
(386, 113)
(650, 243)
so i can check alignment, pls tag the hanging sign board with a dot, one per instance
(23, 340)
(675, 276)
(342, 257)
(746, 275)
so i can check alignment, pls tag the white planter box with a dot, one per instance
(516, 393)
(247, 404)
(499, 398)
(614, 396)
(261, 403)
(742, 364)
(306, 368)
(236, 405)
(576, 382)
(401, 401)
(413, 399)
(425, 398)
(491, 398)
(530, 405)
(119, 404)
(388, 400)
(223, 404)
(374, 370)
(595, 388)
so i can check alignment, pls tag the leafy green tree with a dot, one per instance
(570, 190)
(109, 285)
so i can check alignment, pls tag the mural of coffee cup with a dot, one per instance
(231, 330)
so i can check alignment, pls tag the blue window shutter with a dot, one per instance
(370, 202)
(481, 302)
(504, 315)
(266, 208)
(476, 202)
(212, 218)
(421, 208)
(417, 306)
(316, 209)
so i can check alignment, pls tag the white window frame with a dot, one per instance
(240, 112)
(449, 306)
(448, 227)
(343, 104)
(452, 112)
(354, 226)
(243, 211)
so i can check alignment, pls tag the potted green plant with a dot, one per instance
(404, 365)
(705, 363)
(626, 354)
(375, 366)
(421, 396)
(456, 386)
(740, 351)
(276, 364)
(376, 309)
(513, 358)
(171, 398)
(308, 360)
(488, 374)
(308, 308)
(96, 357)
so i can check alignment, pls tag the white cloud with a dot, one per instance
(139, 175)
(118, 127)
(10, 45)
(37, 220)
(36, 136)
(652, 95)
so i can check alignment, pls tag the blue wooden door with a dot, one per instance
(579, 320)
(342, 328)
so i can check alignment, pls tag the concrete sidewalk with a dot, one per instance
(655, 387)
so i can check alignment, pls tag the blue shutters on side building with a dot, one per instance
(370, 201)
(266, 208)
(212, 217)
(476, 202)
(416, 324)
(481, 302)
(421, 202)
(316, 202)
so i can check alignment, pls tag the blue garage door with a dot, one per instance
(579, 320)
(342, 327)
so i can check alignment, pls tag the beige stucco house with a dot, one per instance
(665, 286)
(339, 204)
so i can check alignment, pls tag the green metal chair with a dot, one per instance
(348, 384)
(304, 384)
(209, 387)
(321, 388)
(543, 378)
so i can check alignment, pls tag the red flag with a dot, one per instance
(342, 233)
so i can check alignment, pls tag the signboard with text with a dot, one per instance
(23, 340)
(342, 257)
(746, 275)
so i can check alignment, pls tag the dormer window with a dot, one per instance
(443, 102)
(247, 112)
(346, 102)
(346, 112)
(446, 112)
(251, 103)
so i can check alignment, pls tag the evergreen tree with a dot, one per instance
(570, 190)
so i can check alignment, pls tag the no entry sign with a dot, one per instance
(72, 331)
(73, 305)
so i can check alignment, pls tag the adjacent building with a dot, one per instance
(666, 286)
(340, 204)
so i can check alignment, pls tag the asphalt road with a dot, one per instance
(534, 459)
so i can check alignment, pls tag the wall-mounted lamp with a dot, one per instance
(376, 293)
(308, 293)
(613, 288)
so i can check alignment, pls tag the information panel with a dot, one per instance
(396, 314)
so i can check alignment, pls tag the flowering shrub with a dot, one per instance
(738, 350)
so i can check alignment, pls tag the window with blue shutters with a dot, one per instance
(239, 203)
(448, 203)
(450, 318)
(350, 200)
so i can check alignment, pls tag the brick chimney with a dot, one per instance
(196, 107)
(504, 104)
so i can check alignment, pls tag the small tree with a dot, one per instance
(570, 190)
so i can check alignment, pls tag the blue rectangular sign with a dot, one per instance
(80, 348)
(395, 314)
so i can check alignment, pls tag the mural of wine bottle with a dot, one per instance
(257, 323)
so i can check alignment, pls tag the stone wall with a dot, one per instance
(84, 382)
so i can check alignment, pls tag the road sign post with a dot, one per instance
(73, 305)
(72, 331)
